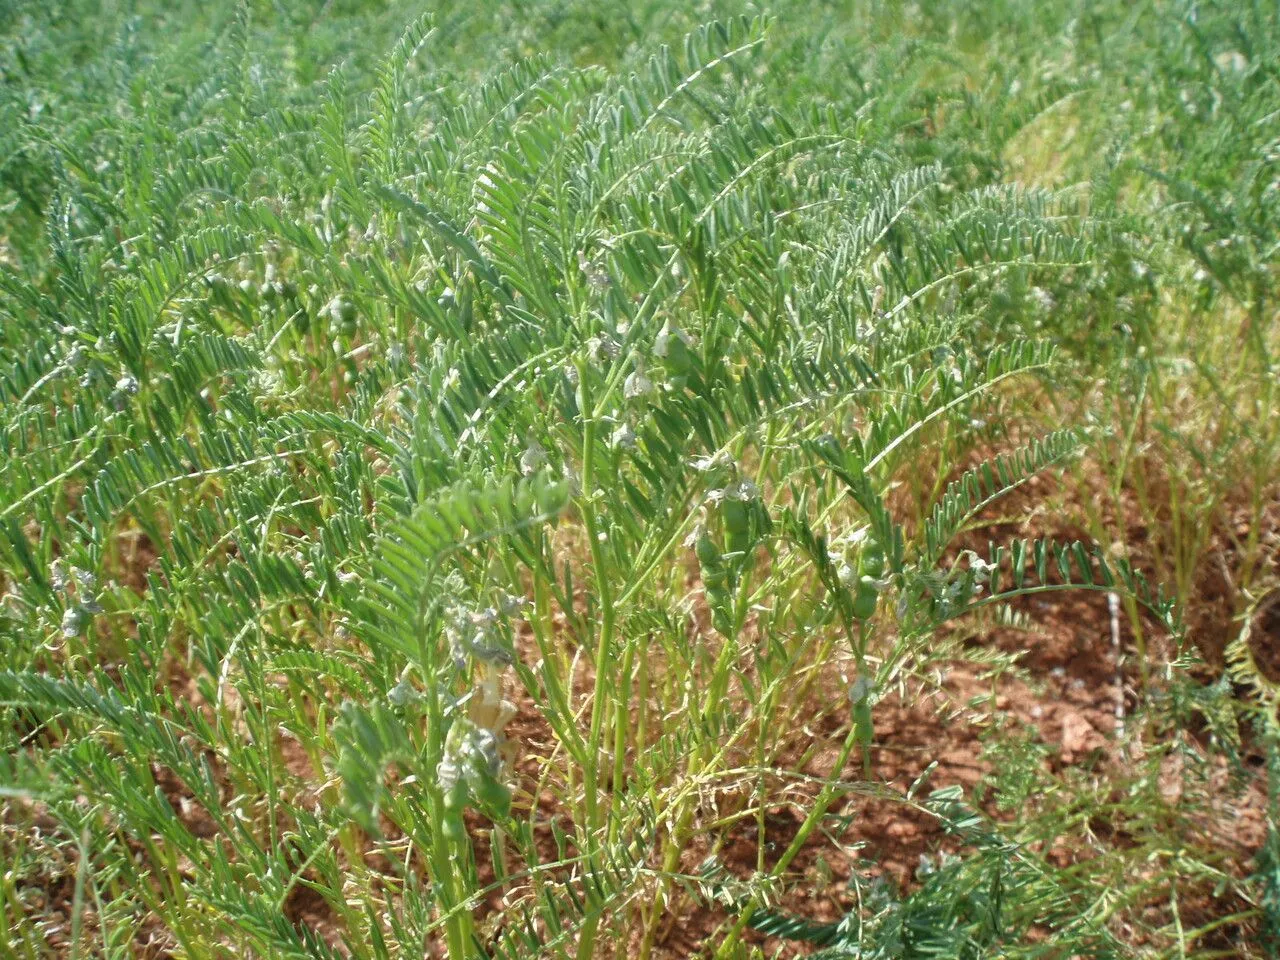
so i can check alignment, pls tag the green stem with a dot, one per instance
(604, 646)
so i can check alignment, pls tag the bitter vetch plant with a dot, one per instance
(431, 499)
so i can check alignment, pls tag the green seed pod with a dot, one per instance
(452, 826)
(342, 318)
(865, 598)
(872, 561)
(737, 525)
(550, 498)
(863, 726)
(720, 617)
(455, 801)
(492, 796)
(672, 350)
(716, 583)
(455, 797)
(708, 555)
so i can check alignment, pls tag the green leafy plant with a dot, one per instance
(443, 487)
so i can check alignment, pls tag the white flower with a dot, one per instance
(744, 490)
(624, 437)
(533, 458)
(73, 621)
(705, 464)
(484, 620)
(1231, 61)
(861, 688)
(336, 308)
(472, 633)
(847, 574)
(662, 342)
(856, 538)
(637, 384)
(510, 604)
(447, 773)
(402, 693)
(979, 566)
(573, 481)
(695, 534)
(1043, 298)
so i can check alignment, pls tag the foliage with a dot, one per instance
(445, 456)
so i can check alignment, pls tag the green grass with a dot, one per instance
(464, 475)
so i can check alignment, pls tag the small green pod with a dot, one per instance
(707, 553)
(737, 525)
(492, 796)
(865, 599)
(863, 726)
(872, 561)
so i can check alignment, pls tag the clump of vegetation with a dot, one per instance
(505, 483)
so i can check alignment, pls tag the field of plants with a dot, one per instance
(633, 478)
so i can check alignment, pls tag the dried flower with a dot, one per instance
(596, 277)
(601, 349)
(533, 458)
